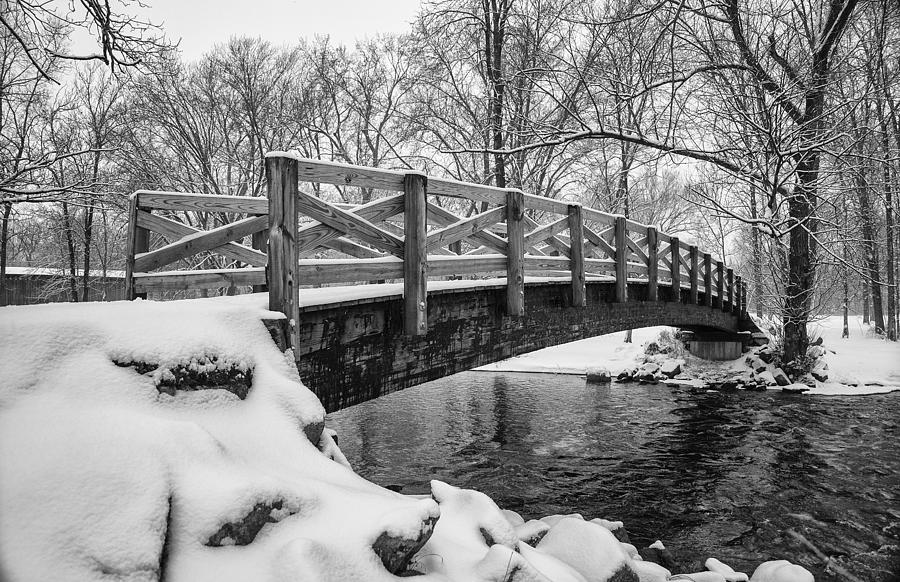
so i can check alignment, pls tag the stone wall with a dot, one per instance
(356, 351)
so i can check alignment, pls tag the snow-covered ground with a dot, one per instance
(870, 363)
(112, 470)
(860, 364)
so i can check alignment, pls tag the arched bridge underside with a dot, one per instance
(354, 351)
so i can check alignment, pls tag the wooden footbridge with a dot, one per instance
(445, 275)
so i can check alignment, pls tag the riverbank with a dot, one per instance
(149, 441)
(860, 364)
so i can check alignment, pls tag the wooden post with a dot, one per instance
(695, 275)
(138, 241)
(260, 241)
(621, 263)
(707, 279)
(737, 296)
(515, 253)
(743, 299)
(281, 271)
(415, 255)
(576, 255)
(652, 265)
(720, 285)
(730, 279)
(676, 269)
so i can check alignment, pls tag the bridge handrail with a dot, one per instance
(410, 235)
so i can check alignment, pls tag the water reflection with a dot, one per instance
(711, 474)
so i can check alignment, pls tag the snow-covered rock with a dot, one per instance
(781, 571)
(670, 368)
(590, 549)
(715, 565)
(780, 377)
(598, 375)
(767, 378)
(700, 577)
(650, 572)
(820, 371)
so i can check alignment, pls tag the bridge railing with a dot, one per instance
(412, 228)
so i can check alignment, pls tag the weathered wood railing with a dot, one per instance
(409, 234)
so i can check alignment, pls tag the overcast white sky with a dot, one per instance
(203, 23)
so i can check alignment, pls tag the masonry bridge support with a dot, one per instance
(482, 273)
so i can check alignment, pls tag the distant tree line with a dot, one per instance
(768, 132)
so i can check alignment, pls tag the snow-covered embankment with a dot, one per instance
(142, 441)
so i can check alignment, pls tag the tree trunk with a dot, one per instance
(756, 260)
(70, 247)
(495, 16)
(4, 249)
(870, 248)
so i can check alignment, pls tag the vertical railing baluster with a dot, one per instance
(576, 255)
(652, 265)
(415, 255)
(138, 241)
(621, 259)
(720, 285)
(730, 282)
(675, 247)
(515, 253)
(707, 279)
(695, 275)
(281, 272)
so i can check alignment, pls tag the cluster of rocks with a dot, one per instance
(764, 370)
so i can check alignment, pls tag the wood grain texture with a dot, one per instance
(415, 256)
(284, 290)
(694, 274)
(621, 259)
(720, 285)
(318, 235)
(707, 279)
(208, 279)
(576, 256)
(544, 232)
(202, 202)
(652, 265)
(515, 255)
(443, 217)
(198, 242)
(729, 280)
(465, 228)
(137, 240)
(675, 269)
(599, 242)
(554, 242)
(348, 223)
(174, 230)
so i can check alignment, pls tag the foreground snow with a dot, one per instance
(110, 475)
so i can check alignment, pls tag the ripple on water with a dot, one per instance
(709, 473)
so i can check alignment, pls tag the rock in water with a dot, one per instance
(590, 549)
(647, 372)
(780, 377)
(598, 375)
(820, 371)
(767, 378)
(670, 368)
(781, 571)
(658, 554)
(651, 572)
(795, 388)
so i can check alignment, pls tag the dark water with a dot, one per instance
(710, 474)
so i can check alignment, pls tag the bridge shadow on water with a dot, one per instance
(710, 474)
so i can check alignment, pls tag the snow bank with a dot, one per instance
(575, 358)
(861, 364)
(114, 471)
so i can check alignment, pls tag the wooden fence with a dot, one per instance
(408, 233)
